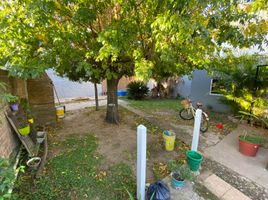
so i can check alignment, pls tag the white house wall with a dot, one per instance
(70, 89)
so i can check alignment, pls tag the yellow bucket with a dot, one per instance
(60, 111)
(170, 141)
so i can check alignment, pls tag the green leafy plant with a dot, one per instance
(6, 97)
(183, 170)
(244, 91)
(137, 90)
(251, 138)
(6, 178)
(22, 122)
(24, 103)
(9, 98)
(254, 118)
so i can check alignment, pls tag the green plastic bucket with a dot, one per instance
(194, 160)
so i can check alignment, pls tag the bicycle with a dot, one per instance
(188, 113)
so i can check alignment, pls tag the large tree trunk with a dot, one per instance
(96, 96)
(112, 101)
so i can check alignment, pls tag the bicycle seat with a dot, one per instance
(199, 105)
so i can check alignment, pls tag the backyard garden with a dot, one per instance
(89, 158)
(91, 153)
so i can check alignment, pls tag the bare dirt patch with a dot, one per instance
(117, 143)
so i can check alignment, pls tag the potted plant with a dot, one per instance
(249, 144)
(179, 173)
(24, 128)
(12, 100)
(26, 108)
(30, 118)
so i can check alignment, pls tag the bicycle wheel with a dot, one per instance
(204, 123)
(186, 114)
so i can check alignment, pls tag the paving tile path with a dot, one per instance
(222, 189)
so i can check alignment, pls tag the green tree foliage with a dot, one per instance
(239, 74)
(93, 40)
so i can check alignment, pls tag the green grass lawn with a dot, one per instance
(75, 174)
(152, 104)
(172, 106)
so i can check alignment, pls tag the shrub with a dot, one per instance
(245, 92)
(137, 90)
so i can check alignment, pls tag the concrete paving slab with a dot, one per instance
(227, 153)
(222, 189)
(234, 194)
(216, 185)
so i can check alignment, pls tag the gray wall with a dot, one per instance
(70, 89)
(183, 87)
(198, 90)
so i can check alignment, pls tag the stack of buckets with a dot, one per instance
(169, 140)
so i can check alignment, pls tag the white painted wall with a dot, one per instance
(70, 89)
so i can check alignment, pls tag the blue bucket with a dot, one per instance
(121, 93)
(176, 183)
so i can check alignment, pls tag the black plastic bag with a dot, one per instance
(158, 191)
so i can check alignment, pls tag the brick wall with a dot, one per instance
(122, 85)
(41, 99)
(8, 140)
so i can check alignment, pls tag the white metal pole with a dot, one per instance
(197, 123)
(141, 161)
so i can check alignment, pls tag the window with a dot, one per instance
(217, 86)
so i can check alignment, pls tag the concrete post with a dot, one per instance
(197, 122)
(141, 161)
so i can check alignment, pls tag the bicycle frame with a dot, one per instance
(193, 110)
